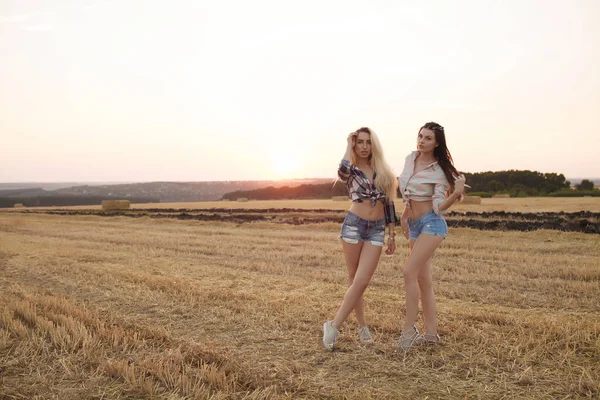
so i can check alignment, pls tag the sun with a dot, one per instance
(284, 165)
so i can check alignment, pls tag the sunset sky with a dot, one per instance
(244, 90)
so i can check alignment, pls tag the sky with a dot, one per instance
(145, 90)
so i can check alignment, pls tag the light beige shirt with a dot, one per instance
(428, 184)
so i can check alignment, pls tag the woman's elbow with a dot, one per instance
(440, 208)
(343, 178)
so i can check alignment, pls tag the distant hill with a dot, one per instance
(176, 191)
(313, 191)
(51, 185)
(158, 191)
(25, 192)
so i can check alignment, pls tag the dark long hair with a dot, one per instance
(442, 153)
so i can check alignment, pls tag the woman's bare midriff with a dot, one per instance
(419, 208)
(366, 211)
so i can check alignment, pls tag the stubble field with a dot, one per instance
(125, 308)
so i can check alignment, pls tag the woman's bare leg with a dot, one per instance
(421, 252)
(369, 257)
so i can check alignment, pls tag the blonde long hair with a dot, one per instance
(386, 181)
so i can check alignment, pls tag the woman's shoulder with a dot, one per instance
(439, 175)
(412, 155)
(410, 158)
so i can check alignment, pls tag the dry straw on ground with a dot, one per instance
(115, 204)
(242, 199)
(122, 308)
(340, 198)
(501, 196)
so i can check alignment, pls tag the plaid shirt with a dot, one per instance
(360, 189)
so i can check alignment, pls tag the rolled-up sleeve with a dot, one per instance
(344, 170)
(439, 195)
(389, 210)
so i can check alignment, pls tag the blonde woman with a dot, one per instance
(372, 189)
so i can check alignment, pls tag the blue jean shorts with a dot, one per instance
(430, 223)
(356, 229)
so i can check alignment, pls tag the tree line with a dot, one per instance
(315, 191)
(486, 184)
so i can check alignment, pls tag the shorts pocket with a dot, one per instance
(350, 233)
(436, 227)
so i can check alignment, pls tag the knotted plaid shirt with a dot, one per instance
(360, 189)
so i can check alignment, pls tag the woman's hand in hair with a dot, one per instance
(351, 143)
(352, 139)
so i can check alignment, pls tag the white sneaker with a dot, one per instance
(365, 335)
(329, 335)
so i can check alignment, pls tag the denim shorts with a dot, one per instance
(430, 223)
(355, 229)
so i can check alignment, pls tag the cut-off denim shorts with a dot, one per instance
(356, 229)
(430, 223)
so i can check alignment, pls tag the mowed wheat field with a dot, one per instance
(132, 308)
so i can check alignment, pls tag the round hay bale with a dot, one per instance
(501, 196)
(115, 204)
(339, 198)
(242, 199)
(472, 200)
(19, 205)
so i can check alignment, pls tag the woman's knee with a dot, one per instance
(410, 271)
(424, 280)
(360, 283)
(351, 275)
